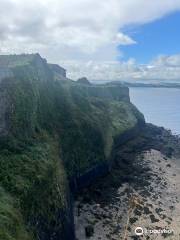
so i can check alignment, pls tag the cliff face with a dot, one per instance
(52, 132)
(60, 73)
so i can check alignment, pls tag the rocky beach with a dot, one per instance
(141, 191)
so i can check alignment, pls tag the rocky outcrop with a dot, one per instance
(59, 72)
(110, 92)
(11, 65)
(83, 80)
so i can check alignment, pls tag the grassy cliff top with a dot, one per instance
(16, 60)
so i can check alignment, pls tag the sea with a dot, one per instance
(160, 106)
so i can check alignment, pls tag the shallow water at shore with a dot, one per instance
(160, 106)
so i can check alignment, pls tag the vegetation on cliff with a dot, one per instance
(55, 130)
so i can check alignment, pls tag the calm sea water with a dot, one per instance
(160, 106)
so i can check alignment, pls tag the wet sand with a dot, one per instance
(150, 201)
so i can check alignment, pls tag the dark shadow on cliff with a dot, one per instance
(127, 168)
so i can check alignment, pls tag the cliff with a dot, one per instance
(59, 72)
(53, 133)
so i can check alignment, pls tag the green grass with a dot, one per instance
(36, 180)
(12, 226)
(55, 129)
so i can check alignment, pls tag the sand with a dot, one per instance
(153, 207)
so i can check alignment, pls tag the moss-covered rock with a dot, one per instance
(36, 180)
(54, 131)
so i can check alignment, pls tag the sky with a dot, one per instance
(160, 37)
(102, 40)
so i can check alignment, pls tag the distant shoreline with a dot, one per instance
(145, 85)
(153, 86)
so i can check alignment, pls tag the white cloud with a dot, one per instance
(123, 39)
(168, 61)
(86, 33)
(74, 29)
(163, 68)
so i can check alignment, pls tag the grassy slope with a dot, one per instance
(53, 125)
(35, 178)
